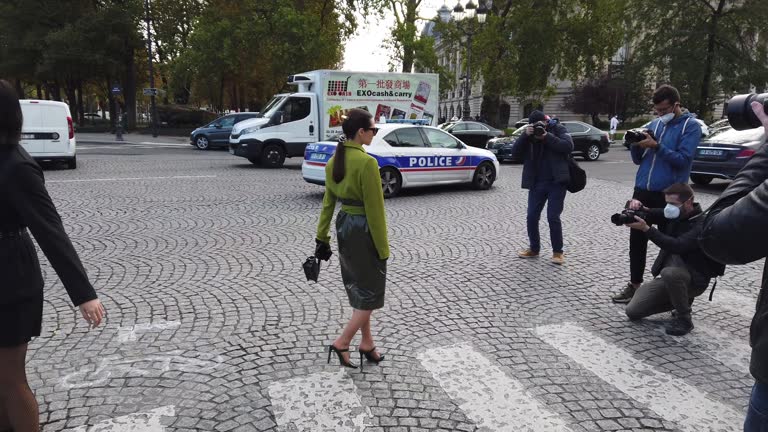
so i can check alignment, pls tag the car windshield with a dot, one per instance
(271, 107)
(730, 135)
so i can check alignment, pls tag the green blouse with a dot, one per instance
(361, 183)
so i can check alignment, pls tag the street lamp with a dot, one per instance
(467, 14)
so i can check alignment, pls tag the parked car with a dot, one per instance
(216, 133)
(48, 132)
(705, 130)
(472, 133)
(522, 122)
(724, 153)
(588, 141)
(412, 155)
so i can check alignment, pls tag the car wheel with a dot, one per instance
(202, 143)
(391, 182)
(700, 179)
(72, 163)
(272, 156)
(485, 175)
(593, 153)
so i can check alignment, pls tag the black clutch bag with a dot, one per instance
(312, 268)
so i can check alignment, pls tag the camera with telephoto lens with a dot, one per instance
(739, 111)
(634, 136)
(539, 128)
(628, 216)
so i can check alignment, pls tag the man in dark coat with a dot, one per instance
(736, 232)
(545, 148)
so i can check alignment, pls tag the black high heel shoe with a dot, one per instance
(369, 356)
(333, 349)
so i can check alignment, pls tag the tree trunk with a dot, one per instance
(164, 79)
(129, 89)
(19, 89)
(112, 105)
(703, 109)
(56, 91)
(410, 25)
(69, 90)
(80, 101)
(39, 89)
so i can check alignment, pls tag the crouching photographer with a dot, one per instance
(681, 271)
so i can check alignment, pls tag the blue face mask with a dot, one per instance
(671, 211)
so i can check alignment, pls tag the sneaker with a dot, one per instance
(558, 258)
(528, 253)
(625, 295)
(680, 326)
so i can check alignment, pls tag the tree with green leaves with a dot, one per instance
(705, 48)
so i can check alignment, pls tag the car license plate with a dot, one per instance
(495, 151)
(706, 152)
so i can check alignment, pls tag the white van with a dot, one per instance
(48, 133)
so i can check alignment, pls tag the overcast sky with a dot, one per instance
(364, 53)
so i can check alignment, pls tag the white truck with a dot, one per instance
(314, 113)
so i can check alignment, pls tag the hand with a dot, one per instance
(322, 250)
(640, 225)
(648, 142)
(93, 312)
(529, 130)
(759, 111)
(635, 204)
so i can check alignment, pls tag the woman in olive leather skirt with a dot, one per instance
(25, 205)
(352, 177)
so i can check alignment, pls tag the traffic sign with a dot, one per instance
(116, 90)
(150, 92)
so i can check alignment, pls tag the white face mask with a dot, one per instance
(666, 118)
(671, 211)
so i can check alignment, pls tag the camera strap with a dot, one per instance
(714, 285)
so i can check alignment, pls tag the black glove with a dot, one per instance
(323, 250)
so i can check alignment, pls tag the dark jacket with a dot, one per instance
(24, 202)
(556, 148)
(736, 232)
(671, 162)
(681, 237)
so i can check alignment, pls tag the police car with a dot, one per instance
(413, 154)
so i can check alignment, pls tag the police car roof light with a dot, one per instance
(409, 121)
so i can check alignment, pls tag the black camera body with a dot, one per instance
(739, 111)
(628, 216)
(539, 128)
(634, 136)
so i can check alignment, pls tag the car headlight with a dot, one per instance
(250, 130)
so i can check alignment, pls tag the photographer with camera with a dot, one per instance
(681, 271)
(545, 148)
(736, 232)
(664, 153)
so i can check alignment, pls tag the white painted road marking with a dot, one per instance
(669, 397)
(130, 178)
(325, 401)
(150, 421)
(151, 365)
(494, 401)
(130, 333)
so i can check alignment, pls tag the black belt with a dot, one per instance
(14, 233)
(351, 202)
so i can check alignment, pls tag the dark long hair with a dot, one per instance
(356, 119)
(10, 116)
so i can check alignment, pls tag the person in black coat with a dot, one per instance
(25, 206)
(546, 176)
(736, 232)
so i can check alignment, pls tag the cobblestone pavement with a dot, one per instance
(211, 325)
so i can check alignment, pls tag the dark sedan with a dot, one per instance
(472, 133)
(216, 133)
(588, 142)
(724, 153)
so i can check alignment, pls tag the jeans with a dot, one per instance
(757, 414)
(552, 194)
(638, 241)
(671, 290)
